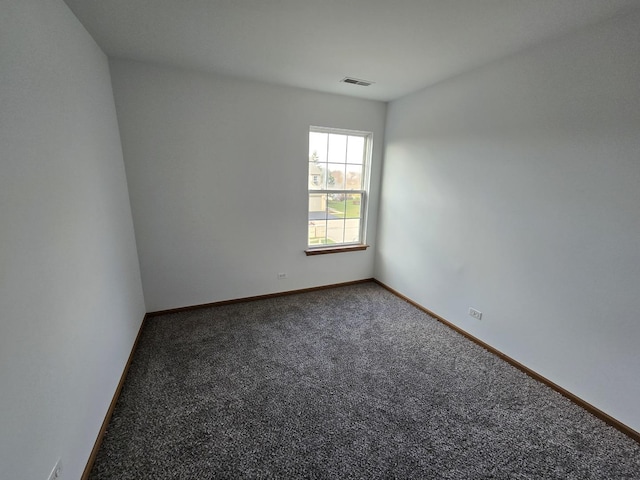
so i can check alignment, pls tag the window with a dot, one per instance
(338, 181)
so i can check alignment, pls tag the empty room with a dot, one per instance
(319, 239)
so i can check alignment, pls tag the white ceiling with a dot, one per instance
(402, 45)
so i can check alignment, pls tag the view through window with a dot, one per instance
(338, 175)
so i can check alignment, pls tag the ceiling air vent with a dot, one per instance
(355, 81)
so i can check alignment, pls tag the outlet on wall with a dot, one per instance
(56, 472)
(477, 314)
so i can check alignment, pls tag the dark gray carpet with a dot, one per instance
(350, 382)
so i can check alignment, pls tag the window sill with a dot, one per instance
(341, 249)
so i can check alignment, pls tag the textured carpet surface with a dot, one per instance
(350, 382)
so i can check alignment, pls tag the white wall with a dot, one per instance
(70, 292)
(217, 169)
(515, 189)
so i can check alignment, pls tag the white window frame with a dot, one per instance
(363, 192)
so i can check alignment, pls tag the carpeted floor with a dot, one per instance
(351, 383)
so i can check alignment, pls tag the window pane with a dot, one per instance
(316, 176)
(355, 150)
(335, 231)
(337, 205)
(317, 232)
(354, 180)
(317, 206)
(337, 148)
(318, 173)
(353, 205)
(352, 230)
(335, 176)
(318, 147)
